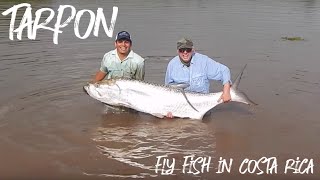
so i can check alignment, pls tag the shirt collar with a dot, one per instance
(130, 55)
(191, 61)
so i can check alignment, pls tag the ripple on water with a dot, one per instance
(139, 146)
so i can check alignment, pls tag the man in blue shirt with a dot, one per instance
(196, 69)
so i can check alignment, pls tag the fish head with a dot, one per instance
(107, 91)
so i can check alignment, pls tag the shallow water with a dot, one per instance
(50, 128)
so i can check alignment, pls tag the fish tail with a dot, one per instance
(239, 96)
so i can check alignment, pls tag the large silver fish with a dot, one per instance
(157, 99)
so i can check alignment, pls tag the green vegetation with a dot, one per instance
(292, 38)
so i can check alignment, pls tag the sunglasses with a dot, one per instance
(182, 50)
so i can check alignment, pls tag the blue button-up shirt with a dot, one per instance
(197, 75)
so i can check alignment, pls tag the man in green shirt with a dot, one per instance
(122, 61)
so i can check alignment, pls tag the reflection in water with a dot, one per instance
(138, 143)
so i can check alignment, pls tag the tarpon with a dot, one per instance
(158, 100)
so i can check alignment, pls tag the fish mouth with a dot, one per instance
(85, 89)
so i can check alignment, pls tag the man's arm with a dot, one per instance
(103, 71)
(218, 71)
(100, 75)
(140, 72)
(168, 78)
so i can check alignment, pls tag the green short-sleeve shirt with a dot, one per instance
(132, 67)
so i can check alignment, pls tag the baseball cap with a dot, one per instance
(123, 35)
(184, 43)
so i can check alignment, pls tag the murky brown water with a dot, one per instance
(50, 129)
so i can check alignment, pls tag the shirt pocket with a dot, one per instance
(198, 82)
(180, 77)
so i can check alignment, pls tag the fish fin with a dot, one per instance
(241, 97)
(113, 108)
(185, 96)
(179, 85)
(236, 82)
(158, 115)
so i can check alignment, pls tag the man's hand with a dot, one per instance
(169, 115)
(225, 96)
